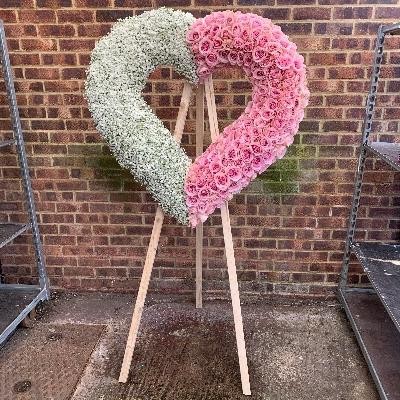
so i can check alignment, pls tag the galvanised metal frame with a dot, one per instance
(369, 111)
(364, 148)
(43, 292)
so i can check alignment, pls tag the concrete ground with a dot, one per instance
(296, 350)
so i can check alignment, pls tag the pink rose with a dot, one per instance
(201, 182)
(215, 167)
(223, 55)
(248, 171)
(256, 149)
(247, 59)
(248, 46)
(205, 45)
(193, 36)
(232, 57)
(217, 43)
(259, 54)
(203, 71)
(193, 220)
(234, 174)
(237, 30)
(211, 59)
(284, 62)
(280, 152)
(266, 114)
(226, 35)
(257, 163)
(235, 187)
(232, 152)
(256, 33)
(191, 201)
(213, 186)
(298, 63)
(204, 193)
(258, 73)
(221, 180)
(246, 154)
(191, 189)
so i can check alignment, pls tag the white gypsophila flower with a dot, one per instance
(120, 65)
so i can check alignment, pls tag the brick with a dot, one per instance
(311, 13)
(112, 15)
(53, 3)
(93, 3)
(172, 3)
(346, 73)
(276, 14)
(56, 30)
(37, 16)
(38, 44)
(17, 3)
(132, 3)
(81, 16)
(213, 2)
(352, 12)
(59, 59)
(255, 2)
(351, 43)
(8, 15)
(20, 30)
(387, 12)
(312, 43)
(42, 73)
(335, 28)
(76, 44)
(296, 28)
(93, 30)
(327, 58)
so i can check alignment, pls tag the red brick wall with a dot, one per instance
(288, 227)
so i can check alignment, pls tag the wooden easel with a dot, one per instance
(208, 89)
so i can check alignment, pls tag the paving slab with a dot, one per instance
(47, 361)
(297, 350)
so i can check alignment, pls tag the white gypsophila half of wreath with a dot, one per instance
(120, 65)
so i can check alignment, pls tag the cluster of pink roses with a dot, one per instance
(262, 133)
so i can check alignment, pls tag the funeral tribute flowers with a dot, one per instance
(120, 65)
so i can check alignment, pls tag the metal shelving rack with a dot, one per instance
(374, 312)
(17, 300)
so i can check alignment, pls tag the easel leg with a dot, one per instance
(151, 251)
(230, 256)
(234, 287)
(141, 297)
(199, 227)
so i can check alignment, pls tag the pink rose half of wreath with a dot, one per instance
(261, 135)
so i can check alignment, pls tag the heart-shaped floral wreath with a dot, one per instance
(120, 65)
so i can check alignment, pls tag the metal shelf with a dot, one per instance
(377, 337)
(16, 302)
(375, 317)
(388, 152)
(381, 262)
(9, 231)
(391, 29)
(5, 143)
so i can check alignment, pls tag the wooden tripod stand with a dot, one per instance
(208, 89)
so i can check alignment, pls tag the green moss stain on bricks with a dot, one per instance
(107, 170)
(283, 176)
